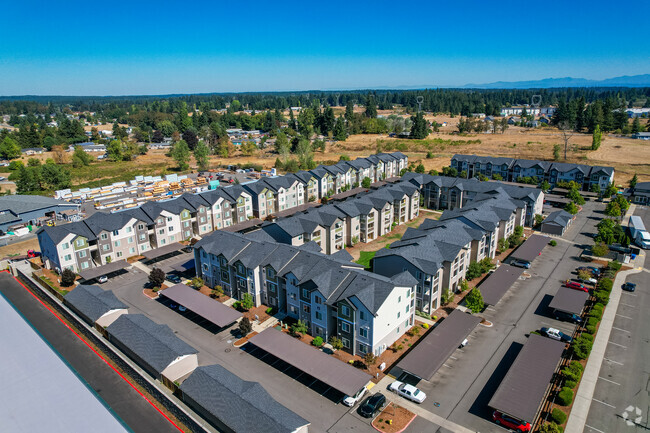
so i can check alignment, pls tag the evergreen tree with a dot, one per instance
(181, 154)
(292, 120)
(634, 181)
(596, 138)
(636, 125)
(420, 128)
(371, 107)
(201, 152)
(349, 110)
(340, 133)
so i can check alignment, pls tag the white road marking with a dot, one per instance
(610, 381)
(594, 428)
(446, 365)
(629, 294)
(612, 361)
(625, 317)
(453, 357)
(627, 305)
(620, 329)
(602, 402)
(619, 345)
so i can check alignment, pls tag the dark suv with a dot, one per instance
(567, 317)
(372, 405)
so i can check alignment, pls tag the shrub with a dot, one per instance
(463, 285)
(595, 314)
(571, 384)
(245, 326)
(370, 358)
(474, 301)
(269, 310)
(616, 266)
(606, 284)
(473, 271)
(581, 346)
(217, 291)
(565, 396)
(588, 337)
(600, 307)
(67, 278)
(299, 328)
(553, 242)
(197, 283)
(425, 325)
(446, 296)
(550, 427)
(318, 341)
(558, 416)
(247, 301)
(336, 343)
(575, 366)
(434, 317)
(602, 296)
(591, 329)
(593, 321)
(413, 331)
(236, 305)
(600, 249)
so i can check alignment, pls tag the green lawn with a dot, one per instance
(365, 257)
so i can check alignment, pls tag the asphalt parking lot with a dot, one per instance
(621, 400)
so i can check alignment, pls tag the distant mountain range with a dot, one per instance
(547, 83)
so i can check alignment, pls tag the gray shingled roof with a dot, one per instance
(19, 204)
(241, 405)
(560, 218)
(93, 301)
(155, 344)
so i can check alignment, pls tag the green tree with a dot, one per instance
(610, 190)
(636, 125)
(545, 186)
(282, 146)
(634, 181)
(596, 138)
(67, 277)
(9, 148)
(371, 107)
(574, 195)
(156, 277)
(245, 326)
(201, 153)
(420, 168)
(299, 328)
(247, 301)
(336, 343)
(181, 154)
(556, 152)
(474, 301)
(600, 249)
(80, 157)
(114, 150)
(420, 128)
(571, 208)
(340, 134)
(349, 110)
(366, 182)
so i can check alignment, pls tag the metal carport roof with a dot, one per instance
(522, 390)
(498, 283)
(530, 249)
(326, 368)
(206, 307)
(569, 300)
(185, 266)
(98, 271)
(435, 348)
(162, 251)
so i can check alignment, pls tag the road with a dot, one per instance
(116, 393)
(462, 388)
(624, 378)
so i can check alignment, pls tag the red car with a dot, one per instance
(575, 285)
(509, 422)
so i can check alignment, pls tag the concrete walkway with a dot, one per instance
(584, 396)
(142, 267)
(417, 409)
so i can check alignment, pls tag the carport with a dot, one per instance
(569, 300)
(162, 251)
(206, 307)
(498, 283)
(435, 348)
(327, 369)
(185, 266)
(530, 249)
(92, 273)
(522, 391)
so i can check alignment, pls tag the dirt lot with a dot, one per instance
(19, 247)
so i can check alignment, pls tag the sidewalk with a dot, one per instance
(584, 396)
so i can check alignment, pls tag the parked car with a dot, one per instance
(352, 400)
(372, 404)
(173, 306)
(593, 269)
(567, 317)
(174, 278)
(407, 391)
(520, 263)
(509, 422)
(102, 279)
(629, 287)
(576, 285)
(181, 308)
(588, 280)
(556, 334)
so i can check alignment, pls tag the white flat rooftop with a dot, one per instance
(40, 393)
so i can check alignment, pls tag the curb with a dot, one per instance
(399, 431)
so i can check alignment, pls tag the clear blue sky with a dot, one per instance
(154, 47)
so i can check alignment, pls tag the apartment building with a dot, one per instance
(587, 176)
(448, 193)
(276, 194)
(333, 296)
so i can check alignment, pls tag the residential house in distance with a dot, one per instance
(19, 210)
(557, 222)
(587, 176)
(333, 296)
(535, 111)
(641, 135)
(28, 151)
(221, 397)
(640, 194)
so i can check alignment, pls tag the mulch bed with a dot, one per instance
(134, 259)
(150, 293)
(245, 339)
(393, 419)
(259, 311)
(54, 279)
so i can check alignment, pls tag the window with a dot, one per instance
(407, 308)
(399, 299)
(116, 232)
(67, 257)
(319, 315)
(82, 254)
(85, 265)
(306, 309)
(362, 315)
(65, 246)
(270, 272)
(128, 229)
(345, 327)
(117, 243)
(363, 348)
(186, 224)
(363, 332)
(119, 254)
(318, 300)
(345, 310)
(106, 247)
(170, 228)
(271, 286)
(104, 236)
(398, 314)
(142, 237)
(161, 231)
(140, 226)
(169, 219)
(80, 242)
(305, 293)
(130, 239)
(132, 250)
(346, 342)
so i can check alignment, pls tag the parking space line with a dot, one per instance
(628, 294)
(610, 381)
(616, 344)
(612, 361)
(602, 402)
(625, 317)
(453, 357)
(594, 428)
(446, 365)
(620, 329)
(627, 305)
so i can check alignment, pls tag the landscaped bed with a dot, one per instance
(393, 419)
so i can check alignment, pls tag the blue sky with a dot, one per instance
(147, 47)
